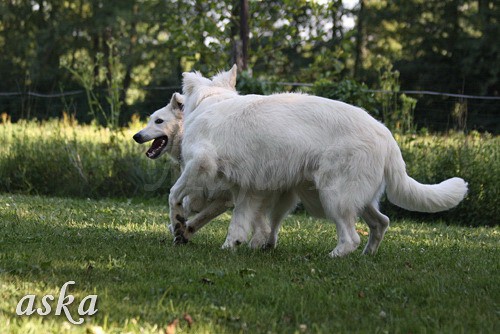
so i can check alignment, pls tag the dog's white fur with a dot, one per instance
(263, 144)
(168, 121)
(207, 204)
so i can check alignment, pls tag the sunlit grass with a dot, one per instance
(427, 277)
(62, 158)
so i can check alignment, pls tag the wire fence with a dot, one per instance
(436, 111)
(281, 83)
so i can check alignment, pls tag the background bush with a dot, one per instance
(475, 158)
(62, 159)
(348, 91)
(52, 158)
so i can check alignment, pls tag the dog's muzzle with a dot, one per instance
(158, 145)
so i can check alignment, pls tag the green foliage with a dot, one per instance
(425, 278)
(443, 46)
(475, 158)
(287, 41)
(348, 91)
(85, 161)
(397, 109)
(446, 46)
(247, 84)
(108, 76)
(436, 45)
(61, 159)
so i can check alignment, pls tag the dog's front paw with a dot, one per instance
(342, 250)
(178, 229)
(258, 242)
(230, 244)
(262, 239)
(189, 231)
(183, 234)
(180, 240)
(178, 225)
(170, 228)
(270, 245)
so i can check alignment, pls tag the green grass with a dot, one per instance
(64, 159)
(426, 278)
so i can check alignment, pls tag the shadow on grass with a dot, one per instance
(138, 274)
(141, 275)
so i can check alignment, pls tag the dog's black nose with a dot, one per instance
(138, 138)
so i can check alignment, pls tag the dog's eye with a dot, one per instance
(159, 121)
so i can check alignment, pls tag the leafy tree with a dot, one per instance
(446, 45)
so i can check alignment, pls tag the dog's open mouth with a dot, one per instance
(157, 147)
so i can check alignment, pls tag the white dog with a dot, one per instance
(165, 128)
(263, 144)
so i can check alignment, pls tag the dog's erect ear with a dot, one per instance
(192, 80)
(177, 102)
(226, 79)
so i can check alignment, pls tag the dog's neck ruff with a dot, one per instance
(219, 93)
(206, 97)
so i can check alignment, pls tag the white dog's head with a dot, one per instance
(197, 88)
(164, 128)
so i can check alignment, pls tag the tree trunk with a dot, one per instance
(127, 79)
(337, 14)
(359, 39)
(244, 32)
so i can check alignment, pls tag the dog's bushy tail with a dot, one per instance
(405, 192)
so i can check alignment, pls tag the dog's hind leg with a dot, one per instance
(340, 194)
(344, 215)
(284, 203)
(345, 220)
(348, 180)
(378, 224)
(247, 214)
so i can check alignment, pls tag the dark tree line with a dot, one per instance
(446, 45)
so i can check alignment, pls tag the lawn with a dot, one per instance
(64, 159)
(427, 276)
